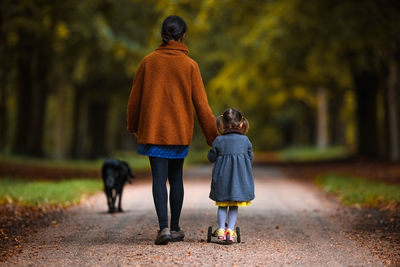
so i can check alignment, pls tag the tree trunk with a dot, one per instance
(336, 124)
(24, 93)
(39, 98)
(366, 85)
(393, 111)
(60, 139)
(303, 130)
(76, 143)
(97, 129)
(322, 118)
(3, 115)
(5, 71)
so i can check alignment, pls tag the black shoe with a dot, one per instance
(163, 237)
(177, 235)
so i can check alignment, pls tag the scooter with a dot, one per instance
(212, 234)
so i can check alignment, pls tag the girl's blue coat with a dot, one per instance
(232, 177)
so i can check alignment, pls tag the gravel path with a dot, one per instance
(287, 224)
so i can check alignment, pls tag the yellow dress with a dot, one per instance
(233, 203)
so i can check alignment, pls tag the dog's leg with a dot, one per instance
(110, 205)
(119, 193)
(113, 198)
(109, 200)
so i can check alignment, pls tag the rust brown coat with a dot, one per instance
(166, 86)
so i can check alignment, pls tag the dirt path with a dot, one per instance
(288, 224)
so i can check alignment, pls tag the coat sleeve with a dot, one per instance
(212, 154)
(133, 109)
(250, 150)
(204, 113)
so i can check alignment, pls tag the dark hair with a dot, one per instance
(173, 28)
(232, 120)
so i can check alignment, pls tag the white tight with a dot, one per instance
(232, 216)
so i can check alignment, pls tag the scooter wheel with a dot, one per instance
(228, 239)
(209, 234)
(238, 234)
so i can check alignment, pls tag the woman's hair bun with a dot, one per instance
(173, 28)
(166, 37)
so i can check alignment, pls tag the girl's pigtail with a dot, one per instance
(245, 126)
(220, 125)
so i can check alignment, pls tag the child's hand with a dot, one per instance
(212, 155)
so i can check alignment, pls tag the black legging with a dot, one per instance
(162, 168)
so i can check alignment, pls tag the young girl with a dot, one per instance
(232, 183)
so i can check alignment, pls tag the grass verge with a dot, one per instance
(44, 193)
(304, 154)
(135, 161)
(360, 192)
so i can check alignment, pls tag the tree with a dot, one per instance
(315, 44)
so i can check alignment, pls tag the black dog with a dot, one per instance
(115, 173)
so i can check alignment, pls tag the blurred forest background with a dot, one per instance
(316, 73)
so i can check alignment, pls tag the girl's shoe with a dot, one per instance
(232, 235)
(220, 233)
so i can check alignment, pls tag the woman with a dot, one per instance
(166, 86)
